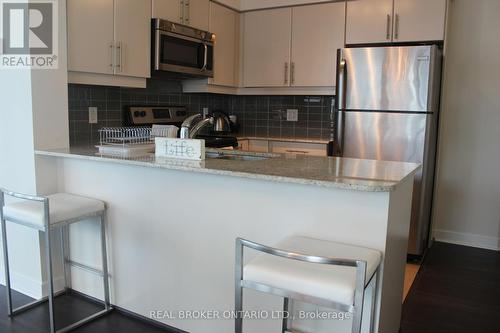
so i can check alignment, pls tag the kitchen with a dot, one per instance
(300, 91)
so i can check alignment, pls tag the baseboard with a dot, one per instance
(28, 286)
(473, 240)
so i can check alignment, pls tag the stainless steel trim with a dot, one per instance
(396, 27)
(388, 34)
(186, 70)
(191, 39)
(292, 74)
(286, 73)
(182, 29)
(299, 256)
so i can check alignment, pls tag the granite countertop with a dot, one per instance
(331, 172)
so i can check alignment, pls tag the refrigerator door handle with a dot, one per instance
(341, 105)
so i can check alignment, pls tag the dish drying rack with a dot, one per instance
(125, 136)
(126, 141)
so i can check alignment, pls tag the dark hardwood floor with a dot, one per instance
(69, 309)
(457, 290)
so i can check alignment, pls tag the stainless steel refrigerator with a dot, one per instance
(387, 108)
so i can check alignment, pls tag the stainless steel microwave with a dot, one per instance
(181, 49)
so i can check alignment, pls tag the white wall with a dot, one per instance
(33, 114)
(467, 203)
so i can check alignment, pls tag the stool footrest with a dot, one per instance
(33, 304)
(85, 320)
(85, 267)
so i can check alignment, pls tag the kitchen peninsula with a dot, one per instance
(173, 223)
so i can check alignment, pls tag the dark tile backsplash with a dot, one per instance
(263, 116)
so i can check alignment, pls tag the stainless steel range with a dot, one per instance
(149, 115)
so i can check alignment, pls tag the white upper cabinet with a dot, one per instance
(386, 21)
(109, 37)
(197, 13)
(317, 33)
(224, 23)
(170, 10)
(419, 20)
(132, 35)
(90, 36)
(266, 48)
(369, 21)
(194, 13)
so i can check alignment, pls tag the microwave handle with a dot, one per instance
(157, 49)
(205, 58)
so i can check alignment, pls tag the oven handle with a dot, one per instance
(205, 58)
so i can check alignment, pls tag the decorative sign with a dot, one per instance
(186, 149)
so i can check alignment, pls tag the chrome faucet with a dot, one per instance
(194, 124)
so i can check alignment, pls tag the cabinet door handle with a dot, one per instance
(396, 27)
(292, 78)
(187, 11)
(112, 52)
(286, 72)
(181, 12)
(119, 49)
(297, 151)
(388, 35)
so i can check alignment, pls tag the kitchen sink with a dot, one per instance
(235, 157)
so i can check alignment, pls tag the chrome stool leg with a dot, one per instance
(238, 289)
(374, 301)
(50, 280)
(62, 231)
(105, 273)
(284, 326)
(5, 256)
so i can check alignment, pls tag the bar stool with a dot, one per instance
(332, 275)
(55, 211)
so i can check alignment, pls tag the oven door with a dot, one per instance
(182, 54)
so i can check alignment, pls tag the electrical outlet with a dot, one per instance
(205, 112)
(292, 115)
(92, 115)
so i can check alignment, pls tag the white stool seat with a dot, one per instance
(330, 282)
(62, 207)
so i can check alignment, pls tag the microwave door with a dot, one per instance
(182, 54)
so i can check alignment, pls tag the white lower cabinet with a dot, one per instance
(298, 148)
(283, 147)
